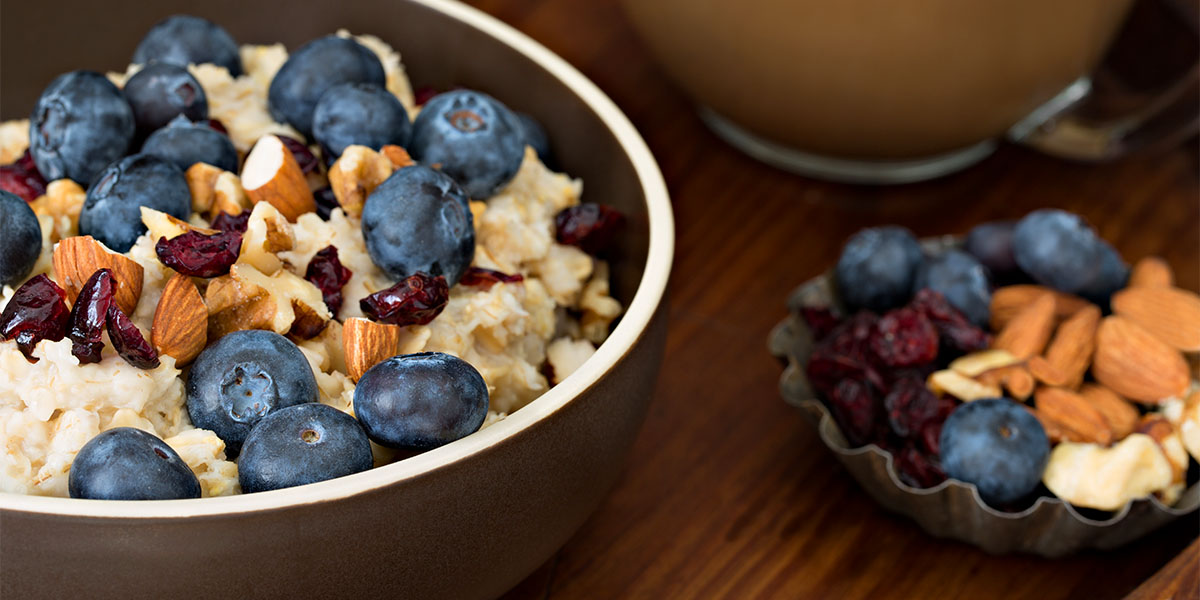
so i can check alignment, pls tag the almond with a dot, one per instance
(1133, 363)
(1074, 416)
(367, 343)
(1026, 334)
(1120, 414)
(399, 156)
(77, 258)
(1151, 271)
(271, 174)
(180, 321)
(1016, 379)
(1010, 300)
(1069, 354)
(1171, 314)
(355, 175)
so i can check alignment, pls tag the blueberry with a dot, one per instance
(20, 239)
(421, 401)
(996, 444)
(314, 69)
(302, 444)
(419, 220)
(992, 244)
(160, 92)
(961, 279)
(185, 144)
(242, 378)
(80, 124)
(1058, 249)
(535, 136)
(475, 139)
(183, 39)
(362, 114)
(877, 268)
(112, 211)
(124, 463)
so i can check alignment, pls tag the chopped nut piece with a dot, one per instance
(976, 363)
(1078, 420)
(1026, 334)
(355, 175)
(1120, 414)
(267, 233)
(1090, 476)
(1133, 363)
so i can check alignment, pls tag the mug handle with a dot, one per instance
(1068, 127)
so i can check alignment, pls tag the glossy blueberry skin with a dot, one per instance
(185, 143)
(877, 268)
(20, 239)
(535, 136)
(80, 124)
(182, 39)
(362, 114)
(475, 138)
(1059, 249)
(242, 378)
(302, 444)
(419, 220)
(992, 245)
(962, 279)
(112, 211)
(997, 445)
(125, 463)
(161, 92)
(314, 69)
(421, 401)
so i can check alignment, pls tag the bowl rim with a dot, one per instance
(641, 309)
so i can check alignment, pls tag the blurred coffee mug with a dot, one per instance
(895, 91)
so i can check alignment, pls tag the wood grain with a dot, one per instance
(730, 494)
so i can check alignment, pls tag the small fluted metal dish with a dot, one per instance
(953, 509)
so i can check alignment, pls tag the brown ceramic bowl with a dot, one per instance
(468, 520)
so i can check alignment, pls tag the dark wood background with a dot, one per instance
(729, 493)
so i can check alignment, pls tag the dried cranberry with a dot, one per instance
(216, 125)
(88, 316)
(416, 300)
(22, 178)
(843, 354)
(917, 469)
(856, 410)
(131, 345)
(904, 337)
(486, 278)
(326, 202)
(200, 255)
(589, 226)
(956, 332)
(227, 222)
(821, 321)
(910, 405)
(36, 312)
(326, 272)
(423, 94)
(304, 156)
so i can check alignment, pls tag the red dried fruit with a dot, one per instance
(36, 312)
(589, 226)
(200, 255)
(89, 315)
(424, 94)
(856, 410)
(821, 321)
(131, 345)
(917, 469)
(910, 405)
(486, 278)
(217, 126)
(843, 354)
(227, 222)
(304, 157)
(904, 337)
(23, 179)
(956, 332)
(416, 300)
(326, 272)
(326, 202)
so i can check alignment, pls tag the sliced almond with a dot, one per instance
(1135, 364)
(1171, 314)
(976, 363)
(399, 156)
(960, 386)
(1151, 271)
(1015, 379)
(367, 343)
(1121, 415)
(180, 327)
(271, 174)
(77, 258)
(1010, 300)
(1073, 415)
(355, 175)
(162, 225)
(1026, 334)
(1070, 352)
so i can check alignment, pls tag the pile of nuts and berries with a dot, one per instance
(136, 226)
(1030, 361)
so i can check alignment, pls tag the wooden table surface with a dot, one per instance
(729, 493)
